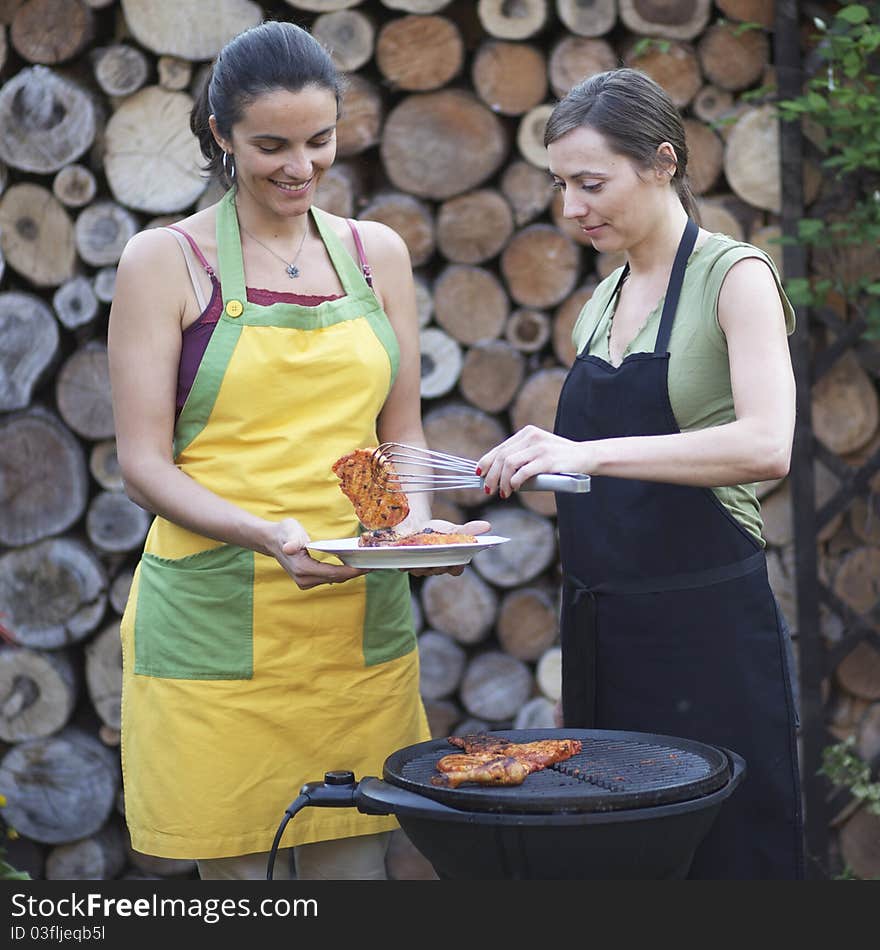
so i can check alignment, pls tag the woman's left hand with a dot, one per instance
(531, 451)
(438, 524)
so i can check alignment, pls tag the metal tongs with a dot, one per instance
(409, 468)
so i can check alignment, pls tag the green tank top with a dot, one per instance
(699, 374)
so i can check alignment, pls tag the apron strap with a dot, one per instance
(350, 275)
(673, 289)
(230, 262)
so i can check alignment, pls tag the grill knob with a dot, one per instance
(339, 778)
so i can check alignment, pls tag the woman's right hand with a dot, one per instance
(288, 544)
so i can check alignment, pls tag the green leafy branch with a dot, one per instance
(842, 101)
(845, 769)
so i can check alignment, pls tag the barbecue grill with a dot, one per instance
(629, 805)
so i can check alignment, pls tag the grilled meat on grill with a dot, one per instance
(502, 770)
(491, 760)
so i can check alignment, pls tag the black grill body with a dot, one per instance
(629, 806)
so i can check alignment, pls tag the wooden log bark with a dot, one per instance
(711, 103)
(120, 588)
(102, 230)
(151, 158)
(733, 58)
(416, 6)
(173, 73)
(442, 361)
(864, 518)
(529, 552)
(419, 53)
(46, 121)
(536, 402)
(470, 303)
(115, 524)
(548, 673)
(37, 235)
(716, 217)
(845, 406)
(860, 844)
(467, 144)
(51, 31)
(348, 35)
(52, 593)
(564, 320)
(104, 284)
(535, 713)
(528, 189)
(528, 622)
(103, 656)
(673, 65)
(339, 190)
(527, 330)
(75, 303)
(474, 227)
(30, 347)
(191, 30)
(575, 58)
(540, 266)
(512, 21)
(510, 78)
(495, 685)
(781, 574)
(674, 20)
(424, 300)
(411, 218)
(99, 857)
(467, 432)
(82, 392)
(463, 607)
(104, 466)
(442, 715)
(587, 17)
(530, 135)
(491, 374)
(120, 69)
(441, 664)
(74, 185)
(322, 6)
(361, 120)
(857, 583)
(60, 788)
(45, 483)
(767, 239)
(38, 693)
(705, 156)
(749, 11)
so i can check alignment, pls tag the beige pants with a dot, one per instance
(361, 858)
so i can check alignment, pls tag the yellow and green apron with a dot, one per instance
(238, 687)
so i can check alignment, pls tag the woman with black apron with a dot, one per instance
(669, 625)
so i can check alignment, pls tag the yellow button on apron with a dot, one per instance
(234, 308)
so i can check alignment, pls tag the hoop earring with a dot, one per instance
(229, 165)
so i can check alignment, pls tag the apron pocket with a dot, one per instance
(195, 616)
(388, 625)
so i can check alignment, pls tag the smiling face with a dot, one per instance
(282, 145)
(615, 203)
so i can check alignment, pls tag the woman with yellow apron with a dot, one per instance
(250, 667)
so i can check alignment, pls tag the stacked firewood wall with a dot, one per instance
(440, 138)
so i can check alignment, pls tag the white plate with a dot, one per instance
(414, 555)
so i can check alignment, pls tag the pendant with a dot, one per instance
(292, 271)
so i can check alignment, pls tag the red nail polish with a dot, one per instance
(501, 494)
(479, 470)
(486, 489)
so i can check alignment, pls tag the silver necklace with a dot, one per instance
(289, 266)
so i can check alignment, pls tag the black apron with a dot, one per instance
(669, 625)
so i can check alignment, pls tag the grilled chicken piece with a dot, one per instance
(479, 742)
(459, 761)
(545, 751)
(502, 770)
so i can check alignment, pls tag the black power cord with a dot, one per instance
(296, 805)
(336, 791)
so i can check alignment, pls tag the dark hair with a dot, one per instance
(635, 115)
(273, 55)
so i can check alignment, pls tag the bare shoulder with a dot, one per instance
(380, 241)
(158, 248)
